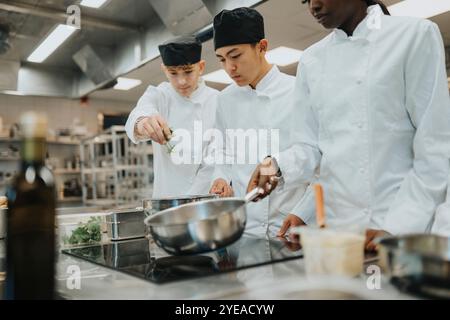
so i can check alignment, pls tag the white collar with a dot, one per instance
(365, 27)
(263, 86)
(196, 94)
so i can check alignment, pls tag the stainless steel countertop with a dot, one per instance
(283, 280)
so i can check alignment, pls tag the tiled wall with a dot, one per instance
(61, 112)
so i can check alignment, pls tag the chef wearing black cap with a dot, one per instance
(258, 101)
(183, 104)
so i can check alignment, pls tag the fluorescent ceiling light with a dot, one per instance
(93, 3)
(283, 56)
(56, 38)
(420, 8)
(219, 76)
(127, 84)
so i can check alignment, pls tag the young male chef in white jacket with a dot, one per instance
(183, 104)
(254, 110)
(374, 115)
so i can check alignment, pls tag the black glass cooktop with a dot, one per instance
(143, 259)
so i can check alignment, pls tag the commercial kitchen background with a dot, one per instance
(119, 40)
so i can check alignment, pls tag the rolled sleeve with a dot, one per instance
(305, 208)
(149, 104)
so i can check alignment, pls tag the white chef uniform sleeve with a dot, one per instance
(220, 152)
(203, 178)
(428, 104)
(299, 162)
(149, 104)
(305, 208)
(441, 224)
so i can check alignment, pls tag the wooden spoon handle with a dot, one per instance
(320, 208)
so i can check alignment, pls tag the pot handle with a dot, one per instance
(253, 194)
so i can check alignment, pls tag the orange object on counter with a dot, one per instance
(320, 206)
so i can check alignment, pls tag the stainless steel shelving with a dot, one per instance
(114, 171)
(58, 149)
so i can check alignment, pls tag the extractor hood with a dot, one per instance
(114, 40)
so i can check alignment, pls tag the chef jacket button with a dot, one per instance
(359, 81)
(362, 170)
(360, 125)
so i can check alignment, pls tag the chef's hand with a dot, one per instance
(222, 188)
(371, 236)
(292, 242)
(154, 128)
(291, 221)
(265, 176)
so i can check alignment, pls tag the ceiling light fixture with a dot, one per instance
(126, 84)
(52, 42)
(93, 3)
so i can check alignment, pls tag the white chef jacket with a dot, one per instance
(172, 179)
(441, 224)
(374, 115)
(266, 107)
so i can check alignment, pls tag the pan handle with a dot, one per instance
(253, 194)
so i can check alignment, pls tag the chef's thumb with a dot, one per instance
(284, 228)
(260, 180)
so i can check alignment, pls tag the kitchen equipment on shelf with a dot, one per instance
(200, 226)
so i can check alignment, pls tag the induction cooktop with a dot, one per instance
(142, 258)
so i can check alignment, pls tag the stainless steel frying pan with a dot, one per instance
(155, 205)
(200, 226)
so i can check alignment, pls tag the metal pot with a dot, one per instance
(155, 205)
(200, 227)
(125, 224)
(418, 263)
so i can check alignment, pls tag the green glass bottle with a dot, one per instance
(30, 245)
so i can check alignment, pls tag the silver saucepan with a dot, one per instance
(418, 263)
(200, 226)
